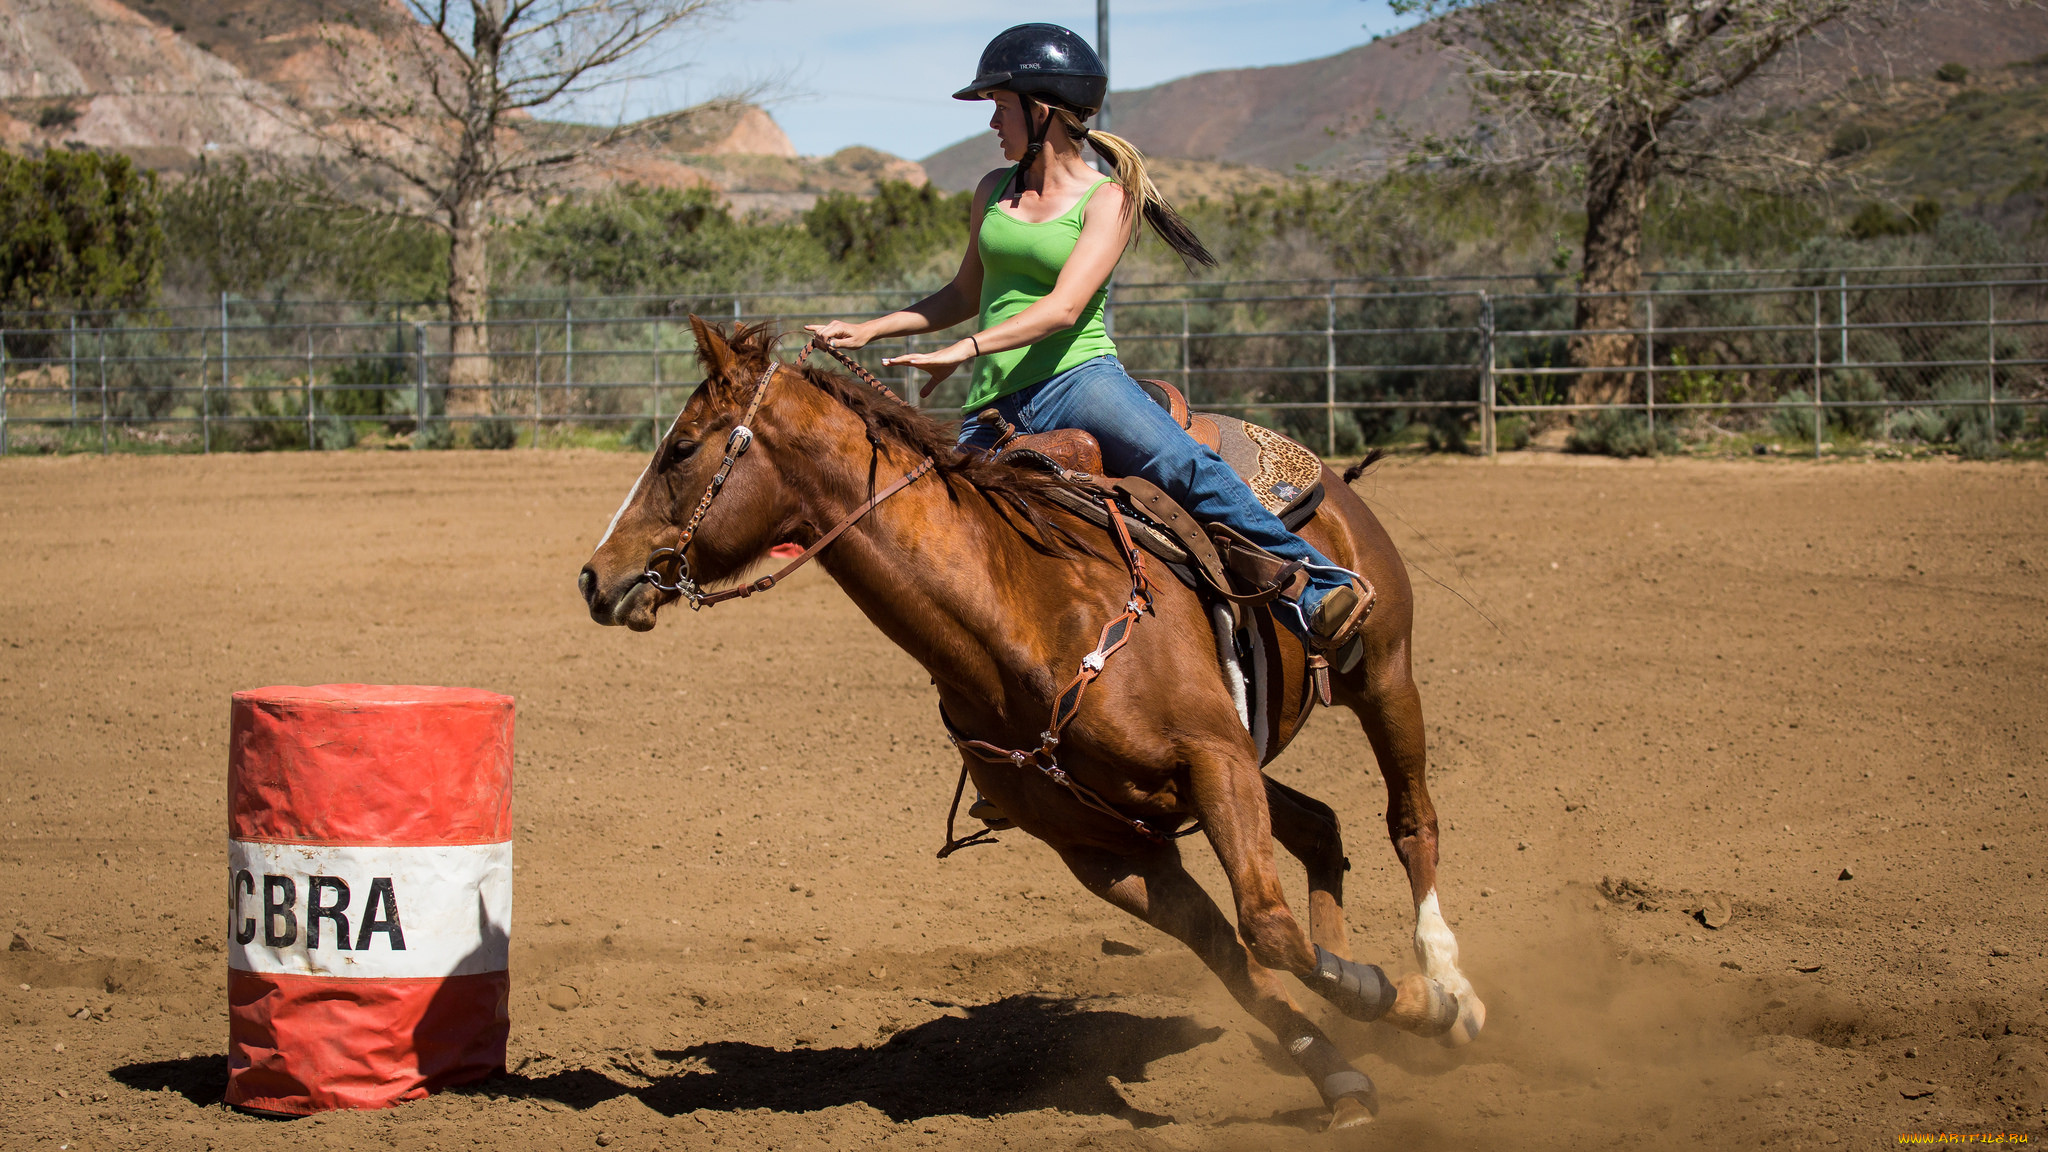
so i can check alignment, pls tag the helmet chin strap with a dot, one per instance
(1039, 128)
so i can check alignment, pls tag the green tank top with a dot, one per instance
(1020, 262)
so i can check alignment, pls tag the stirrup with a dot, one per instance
(1327, 631)
(989, 814)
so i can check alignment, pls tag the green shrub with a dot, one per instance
(280, 420)
(632, 240)
(78, 230)
(369, 387)
(1792, 419)
(1954, 239)
(1857, 384)
(56, 116)
(1849, 139)
(143, 377)
(1874, 220)
(639, 436)
(892, 230)
(1975, 442)
(1446, 432)
(1964, 425)
(1926, 425)
(1973, 103)
(1380, 426)
(1952, 73)
(1618, 432)
(1511, 433)
(228, 229)
(1350, 441)
(495, 433)
(331, 433)
(432, 435)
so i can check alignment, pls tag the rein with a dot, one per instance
(668, 570)
(817, 342)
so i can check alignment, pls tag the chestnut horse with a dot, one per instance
(998, 593)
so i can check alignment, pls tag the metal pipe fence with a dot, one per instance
(1925, 354)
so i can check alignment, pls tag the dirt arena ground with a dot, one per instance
(1674, 683)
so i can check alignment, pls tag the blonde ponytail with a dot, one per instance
(1129, 164)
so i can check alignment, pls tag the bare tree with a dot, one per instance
(1618, 93)
(438, 115)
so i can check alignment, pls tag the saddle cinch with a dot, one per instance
(1265, 665)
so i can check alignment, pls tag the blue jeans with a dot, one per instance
(1139, 438)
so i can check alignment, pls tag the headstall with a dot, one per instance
(668, 569)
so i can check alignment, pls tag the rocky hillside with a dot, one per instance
(1975, 140)
(97, 73)
(1345, 112)
(170, 81)
(1320, 114)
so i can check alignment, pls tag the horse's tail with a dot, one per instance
(1371, 458)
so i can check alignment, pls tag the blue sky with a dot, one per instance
(881, 72)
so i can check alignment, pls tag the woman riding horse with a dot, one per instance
(1043, 239)
(987, 595)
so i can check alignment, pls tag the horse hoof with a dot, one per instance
(1423, 1006)
(1348, 1113)
(1471, 1019)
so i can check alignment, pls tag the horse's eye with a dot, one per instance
(678, 452)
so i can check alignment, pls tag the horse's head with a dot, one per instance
(753, 511)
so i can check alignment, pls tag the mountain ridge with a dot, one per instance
(1347, 112)
(1254, 116)
(169, 82)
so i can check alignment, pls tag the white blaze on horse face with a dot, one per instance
(635, 490)
(623, 505)
(1436, 950)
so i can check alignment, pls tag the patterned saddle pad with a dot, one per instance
(1282, 474)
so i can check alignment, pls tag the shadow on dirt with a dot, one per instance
(200, 1079)
(1015, 1055)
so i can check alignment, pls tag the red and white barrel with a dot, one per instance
(369, 893)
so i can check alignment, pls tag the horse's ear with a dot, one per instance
(712, 350)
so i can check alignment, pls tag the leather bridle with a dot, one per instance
(668, 569)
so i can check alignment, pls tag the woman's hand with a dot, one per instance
(839, 334)
(940, 363)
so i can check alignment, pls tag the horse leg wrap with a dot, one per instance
(1334, 1076)
(1360, 991)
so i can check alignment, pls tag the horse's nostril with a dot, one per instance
(586, 583)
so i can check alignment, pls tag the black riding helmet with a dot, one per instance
(1046, 62)
(1042, 60)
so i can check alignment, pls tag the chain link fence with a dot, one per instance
(1933, 355)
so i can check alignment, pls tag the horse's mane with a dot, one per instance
(1019, 496)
